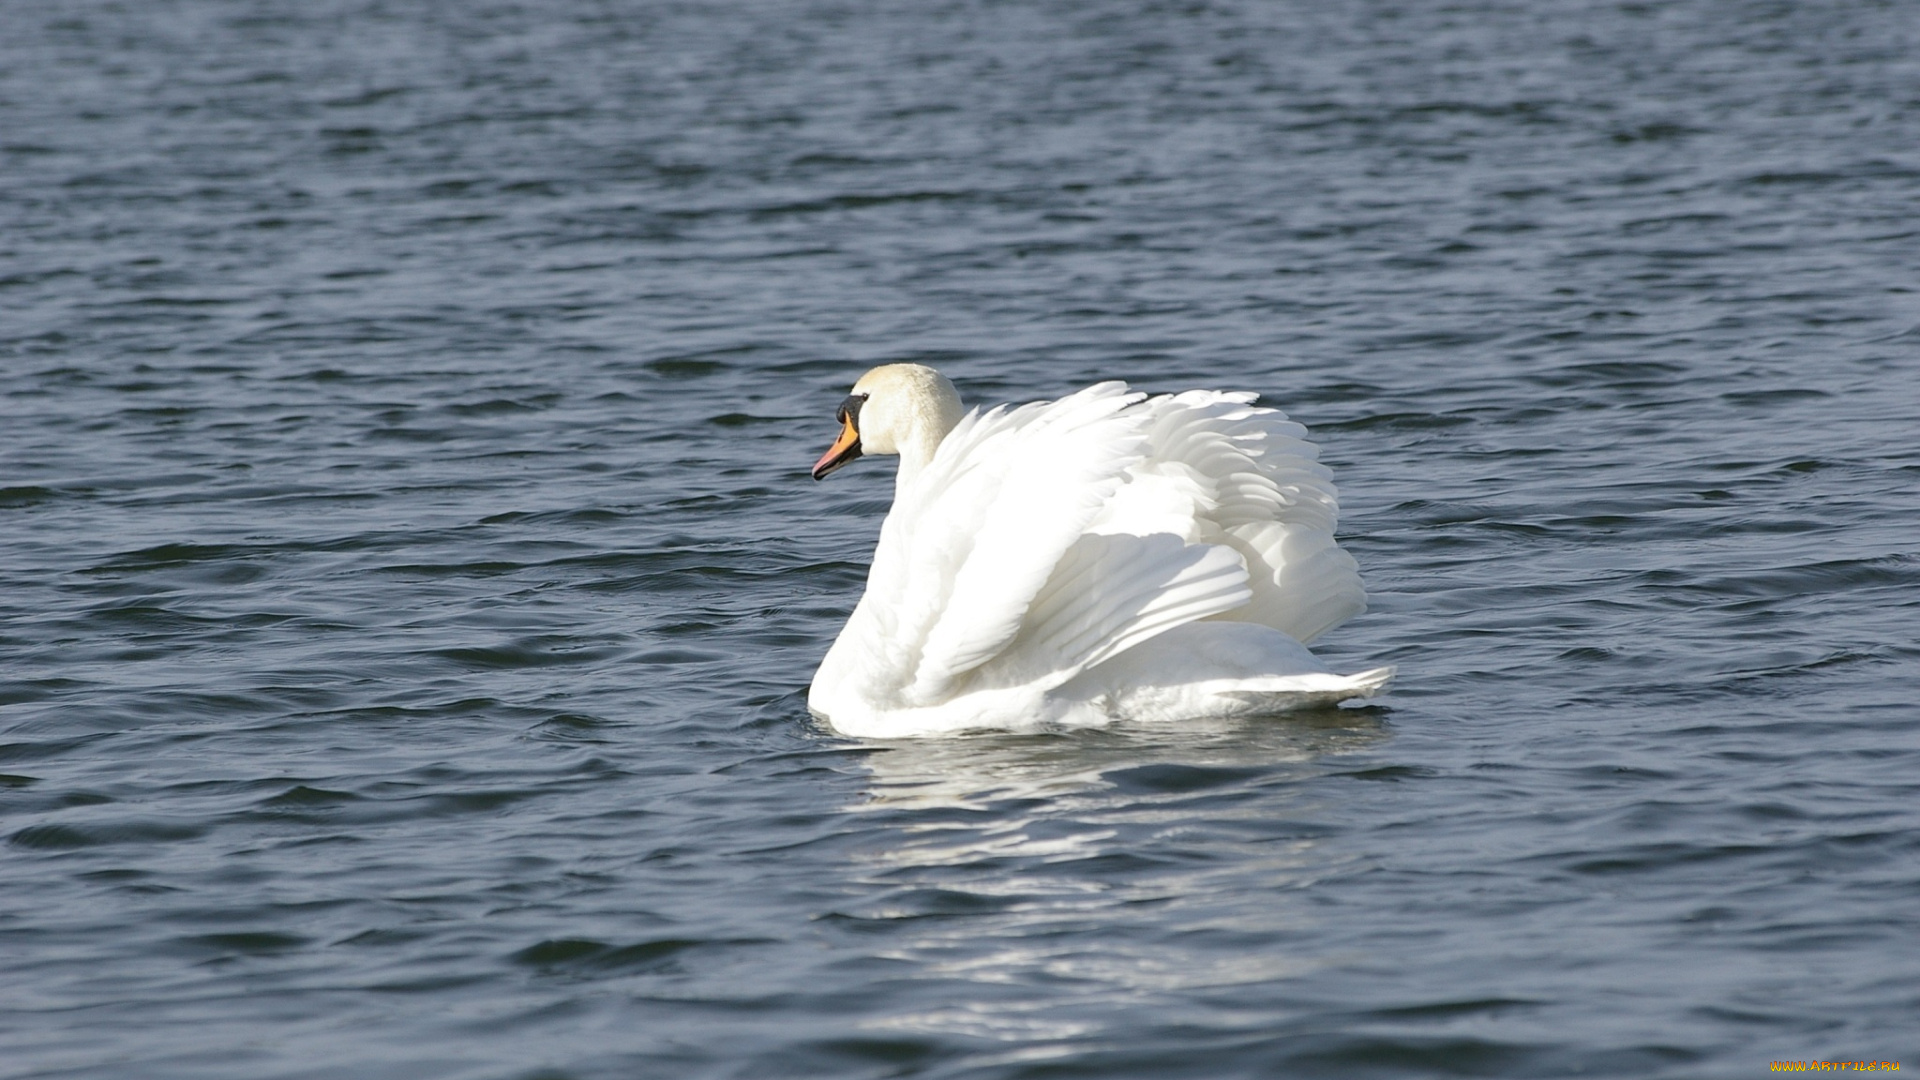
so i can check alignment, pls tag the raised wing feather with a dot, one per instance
(1108, 593)
(1256, 486)
(975, 537)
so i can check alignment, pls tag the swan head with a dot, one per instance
(903, 409)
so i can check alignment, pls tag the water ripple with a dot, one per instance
(409, 578)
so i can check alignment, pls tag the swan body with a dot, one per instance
(1068, 563)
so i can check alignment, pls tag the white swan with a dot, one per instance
(1073, 562)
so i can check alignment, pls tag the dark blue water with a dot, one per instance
(409, 576)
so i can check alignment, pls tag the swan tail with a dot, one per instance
(1232, 698)
(1312, 688)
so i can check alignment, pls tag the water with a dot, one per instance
(409, 575)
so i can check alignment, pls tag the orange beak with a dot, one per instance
(844, 449)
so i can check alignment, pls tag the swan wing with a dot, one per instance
(973, 537)
(1108, 593)
(1254, 483)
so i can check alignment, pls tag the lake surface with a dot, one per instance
(409, 575)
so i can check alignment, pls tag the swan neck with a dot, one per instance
(916, 454)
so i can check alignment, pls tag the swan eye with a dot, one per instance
(849, 410)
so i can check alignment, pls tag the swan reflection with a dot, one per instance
(975, 772)
(1039, 884)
